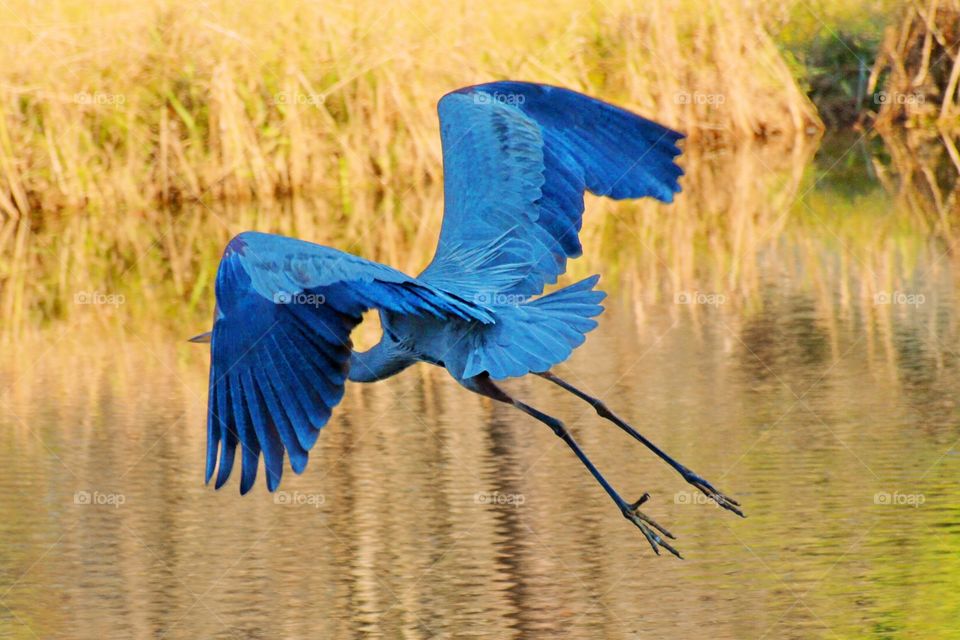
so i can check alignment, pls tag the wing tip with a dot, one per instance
(212, 455)
(273, 481)
(247, 480)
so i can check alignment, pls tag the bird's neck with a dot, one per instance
(381, 361)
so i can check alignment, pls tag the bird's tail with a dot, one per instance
(535, 335)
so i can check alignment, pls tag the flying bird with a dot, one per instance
(517, 159)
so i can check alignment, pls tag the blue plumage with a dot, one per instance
(517, 160)
(281, 344)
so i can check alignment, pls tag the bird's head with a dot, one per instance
(207, 336)
(203, 338)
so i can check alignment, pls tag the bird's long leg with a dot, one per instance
(688, 475)
(651, 530)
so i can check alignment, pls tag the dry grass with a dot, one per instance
(128, 105)
(920, 63)
(110, 110)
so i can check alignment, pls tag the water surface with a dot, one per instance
(815, 380)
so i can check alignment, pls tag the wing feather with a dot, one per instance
(281, 347)
(517, 159)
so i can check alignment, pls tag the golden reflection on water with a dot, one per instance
(159, 264)
(426, 511)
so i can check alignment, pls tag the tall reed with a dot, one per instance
(109, 112)
(125, 106)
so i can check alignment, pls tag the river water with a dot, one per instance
(818, 385)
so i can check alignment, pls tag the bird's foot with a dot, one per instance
(711, 492)
(649, 527)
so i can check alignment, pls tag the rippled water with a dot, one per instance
(427, 512)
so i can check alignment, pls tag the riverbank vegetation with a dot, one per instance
(135, 139)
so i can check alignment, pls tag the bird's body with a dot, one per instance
(517, 160)
(523, 337)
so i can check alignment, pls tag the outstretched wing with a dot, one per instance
(281, 345)
(517, 158)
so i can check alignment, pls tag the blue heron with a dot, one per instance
(517, 158)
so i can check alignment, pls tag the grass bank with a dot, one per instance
(134, 139)
(116, 108)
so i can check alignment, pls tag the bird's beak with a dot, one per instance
(203, 338)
